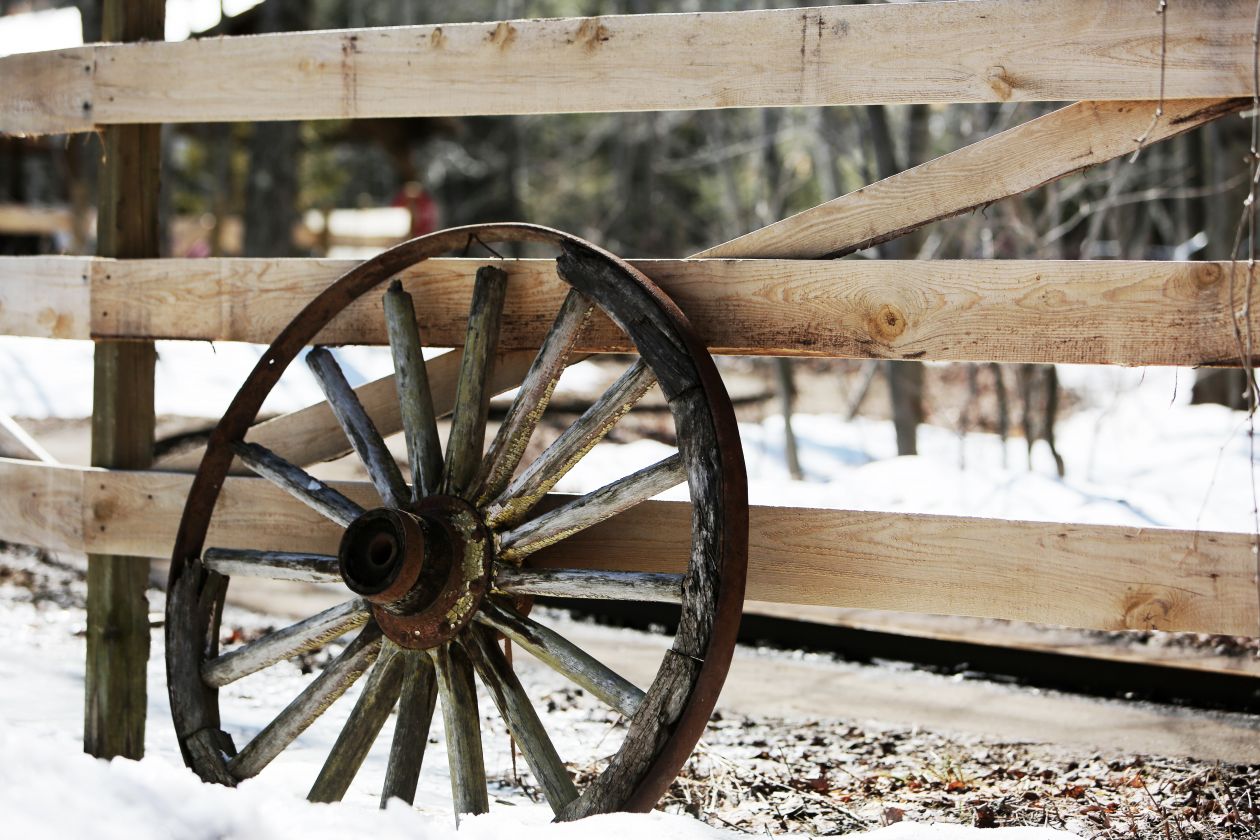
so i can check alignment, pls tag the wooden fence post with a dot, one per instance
(122, 418)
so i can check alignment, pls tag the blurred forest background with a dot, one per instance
(651, 185)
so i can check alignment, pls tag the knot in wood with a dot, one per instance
(887, 324)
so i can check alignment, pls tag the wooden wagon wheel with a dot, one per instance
(433, 571)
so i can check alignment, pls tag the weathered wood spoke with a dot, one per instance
(564, 656)
(277, 565)
(376, 701)
(472, 395)
(521, 718)
(305, 635)
(589, 583)
(531, 400)
(415, 398)
(298, 483)
(359, 428)
(540, 476)
(463, 729)
(593, 508)
(314, 700)
(411, 730)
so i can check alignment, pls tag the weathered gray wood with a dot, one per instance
(211, 749)
(558, 652)
(463, 729)
(557, 459)
(117, 643)
(522, 720)
(591, 509)
(415, 398)
(298, 483)
(589, 583)
(472, 395)
(376, 701)
(359, 429)
(411, 730)
(305, 635)
(314, 700)
(531, 400)
(277, 565)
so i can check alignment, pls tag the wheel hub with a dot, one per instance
(423, 569)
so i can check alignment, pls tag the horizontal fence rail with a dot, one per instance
(1087, 576)
(977, 51)
(1035, 311)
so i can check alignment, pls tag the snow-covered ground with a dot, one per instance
(1136, 453)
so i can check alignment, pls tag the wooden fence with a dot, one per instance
(763, 293)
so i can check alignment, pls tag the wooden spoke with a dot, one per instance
(411, 730)
(306, 635)
(359, 429)
(376, 701)
(472, 395)
(531, 400)
(415, 399)
(463, 729)
(278, 565)
(572, 445)
(340, 674)
(521, 718)
(564, 656)
(298, 482)
(589, 583)
(593, 508)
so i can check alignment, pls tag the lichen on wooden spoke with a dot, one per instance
(596, 422)
(531, 399)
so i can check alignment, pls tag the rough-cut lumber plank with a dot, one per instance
(565, 657)
(411, 730)
(123, 417)
(983, 51)
(522, 720)
(1018, 311)
(46, 297)
(361, 432)
(1016, 160)
(592, 508)
(40, 221)
(307, 634)
(1088, 576)
(589, 583)
(312, 702)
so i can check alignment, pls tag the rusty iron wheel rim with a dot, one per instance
(196, 594)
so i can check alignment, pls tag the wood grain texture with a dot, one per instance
(589, 583)
(46, 297)
(277, 565)
(1069, 140)
(1088, 576)
(265, 651)
(1017, 311)
(463, 729)
(983, 51)
(411, 730)
(415, 399)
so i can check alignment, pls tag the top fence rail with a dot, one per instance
(941, 52)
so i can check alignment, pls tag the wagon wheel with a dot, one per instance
(434, 570)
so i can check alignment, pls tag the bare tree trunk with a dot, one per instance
(272, 191)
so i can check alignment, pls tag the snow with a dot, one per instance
(49, 788)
